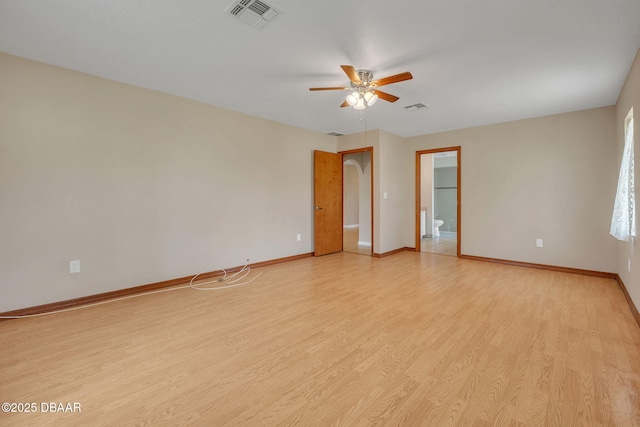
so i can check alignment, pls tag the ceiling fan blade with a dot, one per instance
(392, 79)
(344, 104)
(328, 88)
(351, 73)
(386, 96)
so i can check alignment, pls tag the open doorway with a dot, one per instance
(357, 201)
(438, 201)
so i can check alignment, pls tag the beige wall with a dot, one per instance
(142, 186)
(365, 200)
(551, 178)
(351, 194)
(397, 179)
(138, 185)
(630, 97)
(392, 174)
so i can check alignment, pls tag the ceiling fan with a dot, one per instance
(363, 88)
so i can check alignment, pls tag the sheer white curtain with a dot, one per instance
(623, 218)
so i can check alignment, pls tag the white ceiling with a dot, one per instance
(474, 62)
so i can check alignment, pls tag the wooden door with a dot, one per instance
(327, 200)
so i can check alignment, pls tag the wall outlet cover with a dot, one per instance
(74, 266)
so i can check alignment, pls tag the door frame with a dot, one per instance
(459, 194)
(361, 150)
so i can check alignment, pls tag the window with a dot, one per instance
(623, 220)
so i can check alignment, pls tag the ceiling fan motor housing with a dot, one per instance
(365, 76)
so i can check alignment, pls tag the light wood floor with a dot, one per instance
(410, 339)
(350, 241)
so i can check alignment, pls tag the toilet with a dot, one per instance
(436, 227)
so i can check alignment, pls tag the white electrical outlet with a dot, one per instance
(385, 195)
(298, 237)
(74, 266)
(538, 243)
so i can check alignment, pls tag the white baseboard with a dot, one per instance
(361, 243)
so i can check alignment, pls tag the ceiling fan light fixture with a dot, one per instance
(360, 105)
(353, 98)
(370, 98)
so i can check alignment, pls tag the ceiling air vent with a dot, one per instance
(416, 107)
(335, 134)
(252, 12)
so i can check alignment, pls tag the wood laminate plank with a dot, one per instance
(409, 339)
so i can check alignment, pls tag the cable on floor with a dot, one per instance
(244, 272)
(201, 286)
